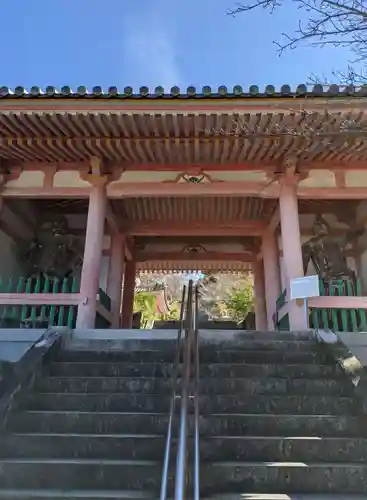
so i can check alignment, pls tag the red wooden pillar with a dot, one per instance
(115, 275)
(272, 274)
(259, 289)
(128, 295)
(292, 250)
(89, 285)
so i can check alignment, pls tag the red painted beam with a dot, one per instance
(194, 256)
(172, 228)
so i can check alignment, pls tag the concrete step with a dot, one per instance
(282, 425)
(84, 446)
(81, 474)
(288, 477)
(101, 369)
(258, 385)
(283, 449)
(88, 422)
(303, 405)
(132, 402)
(36, 494)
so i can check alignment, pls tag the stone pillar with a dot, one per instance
(292, 250)
(115, 275)
(272, 274)
(128, 295)
(259, 292)
(89, 284)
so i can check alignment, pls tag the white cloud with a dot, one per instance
(150, 45)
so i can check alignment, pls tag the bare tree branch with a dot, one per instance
(340, 23)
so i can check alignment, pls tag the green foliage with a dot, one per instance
(240, 302)
(145, 302)
(222, 296)
(173, 313)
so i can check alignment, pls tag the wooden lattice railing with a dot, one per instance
(45, 302)
(348, 319)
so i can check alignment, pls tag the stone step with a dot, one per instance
(254, 344)
(210, 425)
(283, 449)
(81, 474)
(84, 446)
(88, 422)
(106, 345)
(239, 370)
(36, 494)
(281, 404)
(282, 425)
(239, 335)
(102, 384)
(252, 369)
(218, 477)
(280, 496)
(151, 447)
(276, 386)
(259, 385)
(118, 402)
(207, 355)
(130, 356)
(100, 369)
(286, 477)
(264, 357)
(146, 495)
(132, 402)
(240, 340)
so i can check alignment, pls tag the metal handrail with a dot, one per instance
(167, 451)
(196, 399)
(181, 465)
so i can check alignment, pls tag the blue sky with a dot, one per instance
(151, 42)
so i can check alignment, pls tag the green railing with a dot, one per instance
(283, 323)
(104, 299)
(44, 315)
(341, 320)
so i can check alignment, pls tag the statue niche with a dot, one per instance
(54, 252)
(328, 254)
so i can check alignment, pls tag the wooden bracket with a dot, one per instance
(100, 172)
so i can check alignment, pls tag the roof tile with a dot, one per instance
(192, 92)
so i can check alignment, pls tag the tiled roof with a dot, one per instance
(206, 92)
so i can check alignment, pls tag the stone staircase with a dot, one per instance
(93, 426)
(279, 421)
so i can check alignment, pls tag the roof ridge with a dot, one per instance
(205, 92)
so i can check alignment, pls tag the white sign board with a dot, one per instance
(305, 287)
